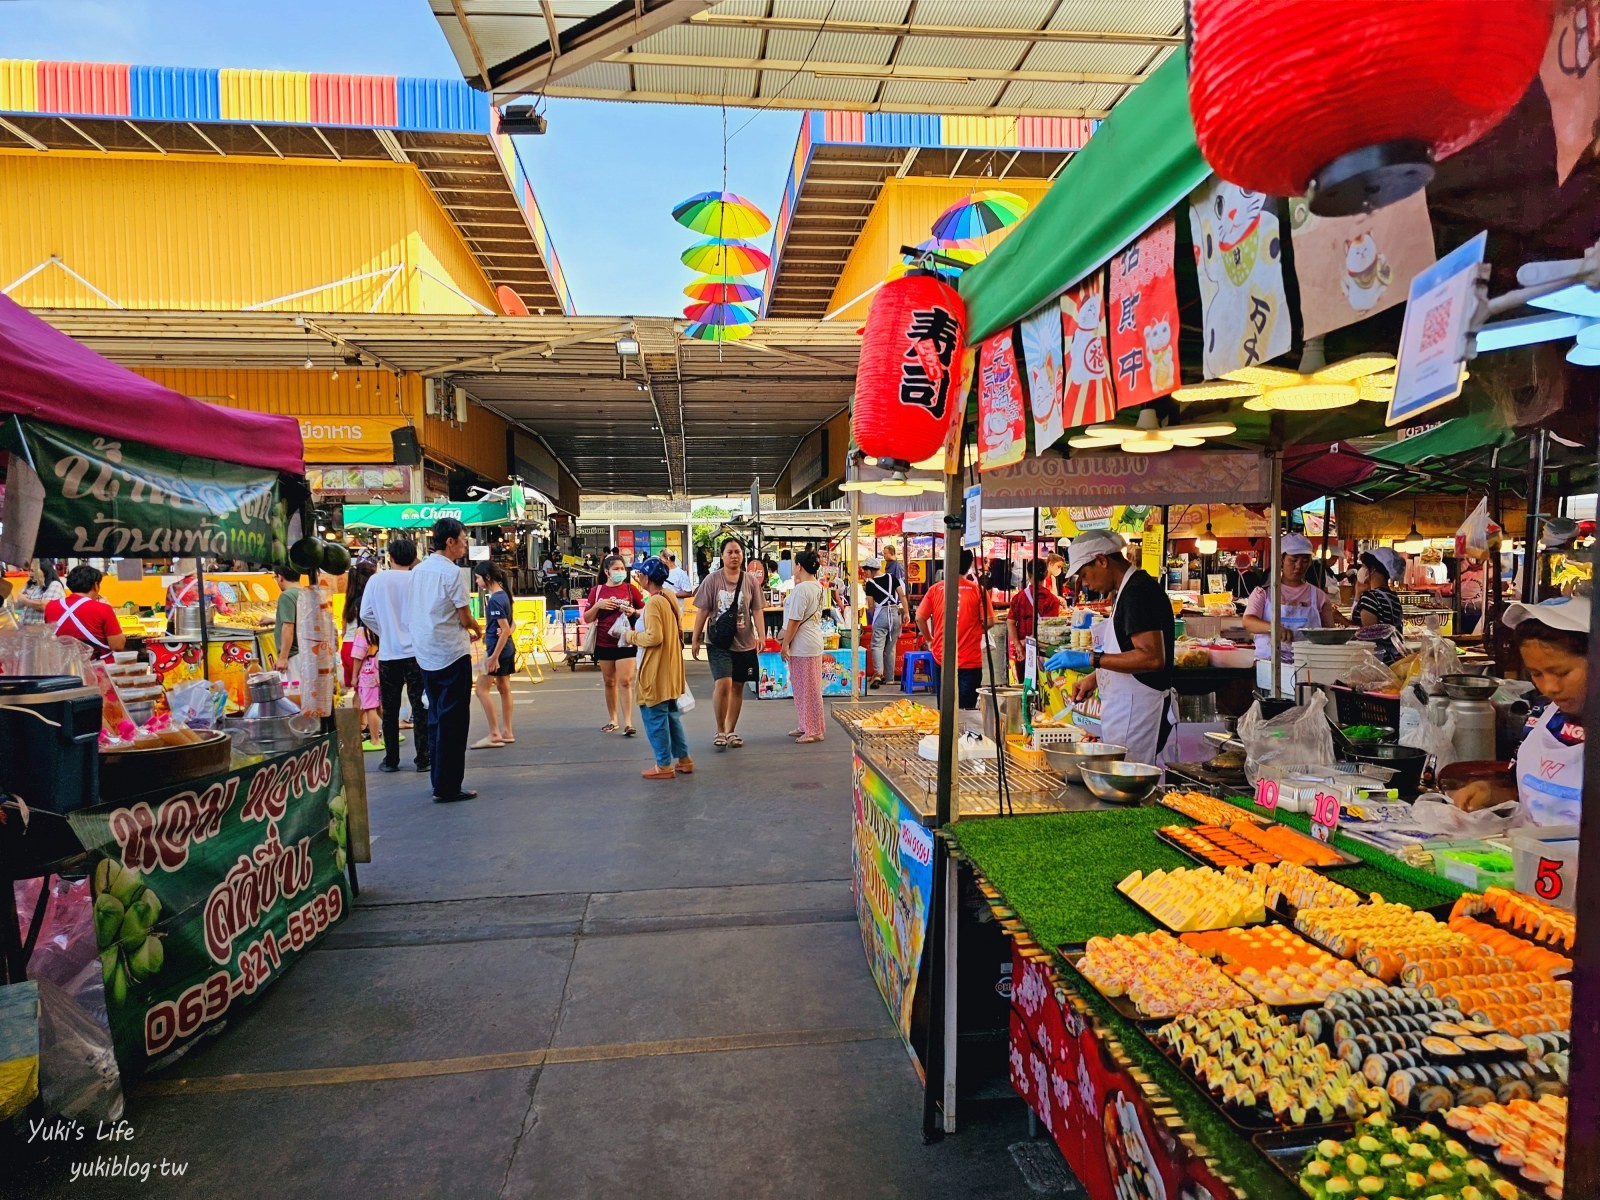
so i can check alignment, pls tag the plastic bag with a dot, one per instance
(1435, 659)
(199, 704)
(1478, 535)
(1417, 729)
(1299, 737)
(78, 1075)
(1370, 675)
(1435, 814)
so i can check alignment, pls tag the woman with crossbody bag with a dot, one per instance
(610, 604)
(802, 647)
(727, 608)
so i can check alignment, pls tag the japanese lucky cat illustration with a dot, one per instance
(1367, 272)
(1086, 352)
(1158, 349)
(1232, 233)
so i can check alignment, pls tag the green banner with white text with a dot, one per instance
(82, 495)
(206, 890)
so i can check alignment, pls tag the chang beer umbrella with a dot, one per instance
(516, 502)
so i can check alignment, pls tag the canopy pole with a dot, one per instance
(1277, 572)
(205, 637)
(853, 583)
(1530, 547)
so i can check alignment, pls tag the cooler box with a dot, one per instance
(50, 740)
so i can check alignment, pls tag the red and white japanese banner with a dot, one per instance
(1088, 395)
(1144, 317)
(1002, 424)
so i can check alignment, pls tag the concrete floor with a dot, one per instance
(581, 984)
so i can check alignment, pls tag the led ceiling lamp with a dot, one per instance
(1315, 387)
(896, 485)
(1147, 436)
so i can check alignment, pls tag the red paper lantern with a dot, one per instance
(908, 380)
(1354, 102)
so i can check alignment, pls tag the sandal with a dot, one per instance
(609, 727)
(720, 741)
(735, 741)
(807, 740)
(629, 731)
(795, 733)
(487, 743)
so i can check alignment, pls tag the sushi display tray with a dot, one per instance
(1171, 929)
(1286, 1149)
(1121, 1005)
(1345, 859)
(1248, 1122)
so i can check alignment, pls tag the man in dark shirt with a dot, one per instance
(1131, 670)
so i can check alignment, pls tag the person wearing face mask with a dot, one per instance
(1305, 605)
(612, 598)
(1552, 639)
(1054, 565)
(1376, 603)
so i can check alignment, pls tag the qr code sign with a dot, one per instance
(1435, 325)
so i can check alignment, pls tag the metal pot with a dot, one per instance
(1002, 712)
(187, 620)
(272, 722)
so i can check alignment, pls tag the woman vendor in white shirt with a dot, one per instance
(1553, 640)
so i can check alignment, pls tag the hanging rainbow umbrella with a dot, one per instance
(721, 214)
(978, 215)
(722, 289)
(724, 256)
(720, 314)
(718, 333)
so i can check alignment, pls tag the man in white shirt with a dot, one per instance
(383, 610)
(677, 578)
(442, 630)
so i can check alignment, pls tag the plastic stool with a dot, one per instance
(913, 663)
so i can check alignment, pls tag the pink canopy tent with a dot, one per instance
(47, 376)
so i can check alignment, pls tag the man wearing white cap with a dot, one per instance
(1305, 605)
(1131, 668)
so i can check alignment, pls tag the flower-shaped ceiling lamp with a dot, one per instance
(1315, 387)
(896, 485)
(1147, 437)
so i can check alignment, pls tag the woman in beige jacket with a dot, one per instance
(660, 678)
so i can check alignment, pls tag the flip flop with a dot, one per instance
(806, 741)
(629, 731)
(487, 743)
(609, 727)
(795, 733)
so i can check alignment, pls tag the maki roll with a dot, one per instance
(1442, 1048)
(1433, 1098)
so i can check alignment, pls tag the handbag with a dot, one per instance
(591, 631)
(725, 625)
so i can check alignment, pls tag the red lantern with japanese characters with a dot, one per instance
(1353, 103)
(908, 381)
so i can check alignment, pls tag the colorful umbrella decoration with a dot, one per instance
(721, 215)
(725, 256)
(979, 215)
(720, 314)
(722, 289)
(718, 333)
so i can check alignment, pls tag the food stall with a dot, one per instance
(1259, 990)
(196, 857)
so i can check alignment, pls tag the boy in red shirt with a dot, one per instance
(82, 615)
(969, 633)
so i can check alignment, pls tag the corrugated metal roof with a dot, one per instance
(697, 51)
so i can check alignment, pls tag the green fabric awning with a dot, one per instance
(1459, 435)
(1140, 163)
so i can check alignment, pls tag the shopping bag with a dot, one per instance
(686, 702)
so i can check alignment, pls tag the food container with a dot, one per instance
(1002, 712)
(1406, 761)
(1120, 782)
(131, 771)
(1469, 687)
(1189, 656)
(1473, 864)
(1068, 758)
(1229, 656)
(1337, 636)
(1545, 862)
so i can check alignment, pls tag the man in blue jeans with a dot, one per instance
(442, 632)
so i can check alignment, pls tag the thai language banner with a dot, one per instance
(207, 890)
(891, 854)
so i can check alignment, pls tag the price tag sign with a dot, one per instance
(1267, 794)
(1550, 880)
(1324, 816)
(1030, 665)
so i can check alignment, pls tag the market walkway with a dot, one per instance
(580, 985)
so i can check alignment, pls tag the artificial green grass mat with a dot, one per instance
(1060, 870)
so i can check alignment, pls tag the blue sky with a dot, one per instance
(606, 175)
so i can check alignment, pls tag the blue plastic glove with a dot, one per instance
(1070, 660)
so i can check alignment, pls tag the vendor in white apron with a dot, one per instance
(1305, 605)
(1552, 640)
(1131, 668)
